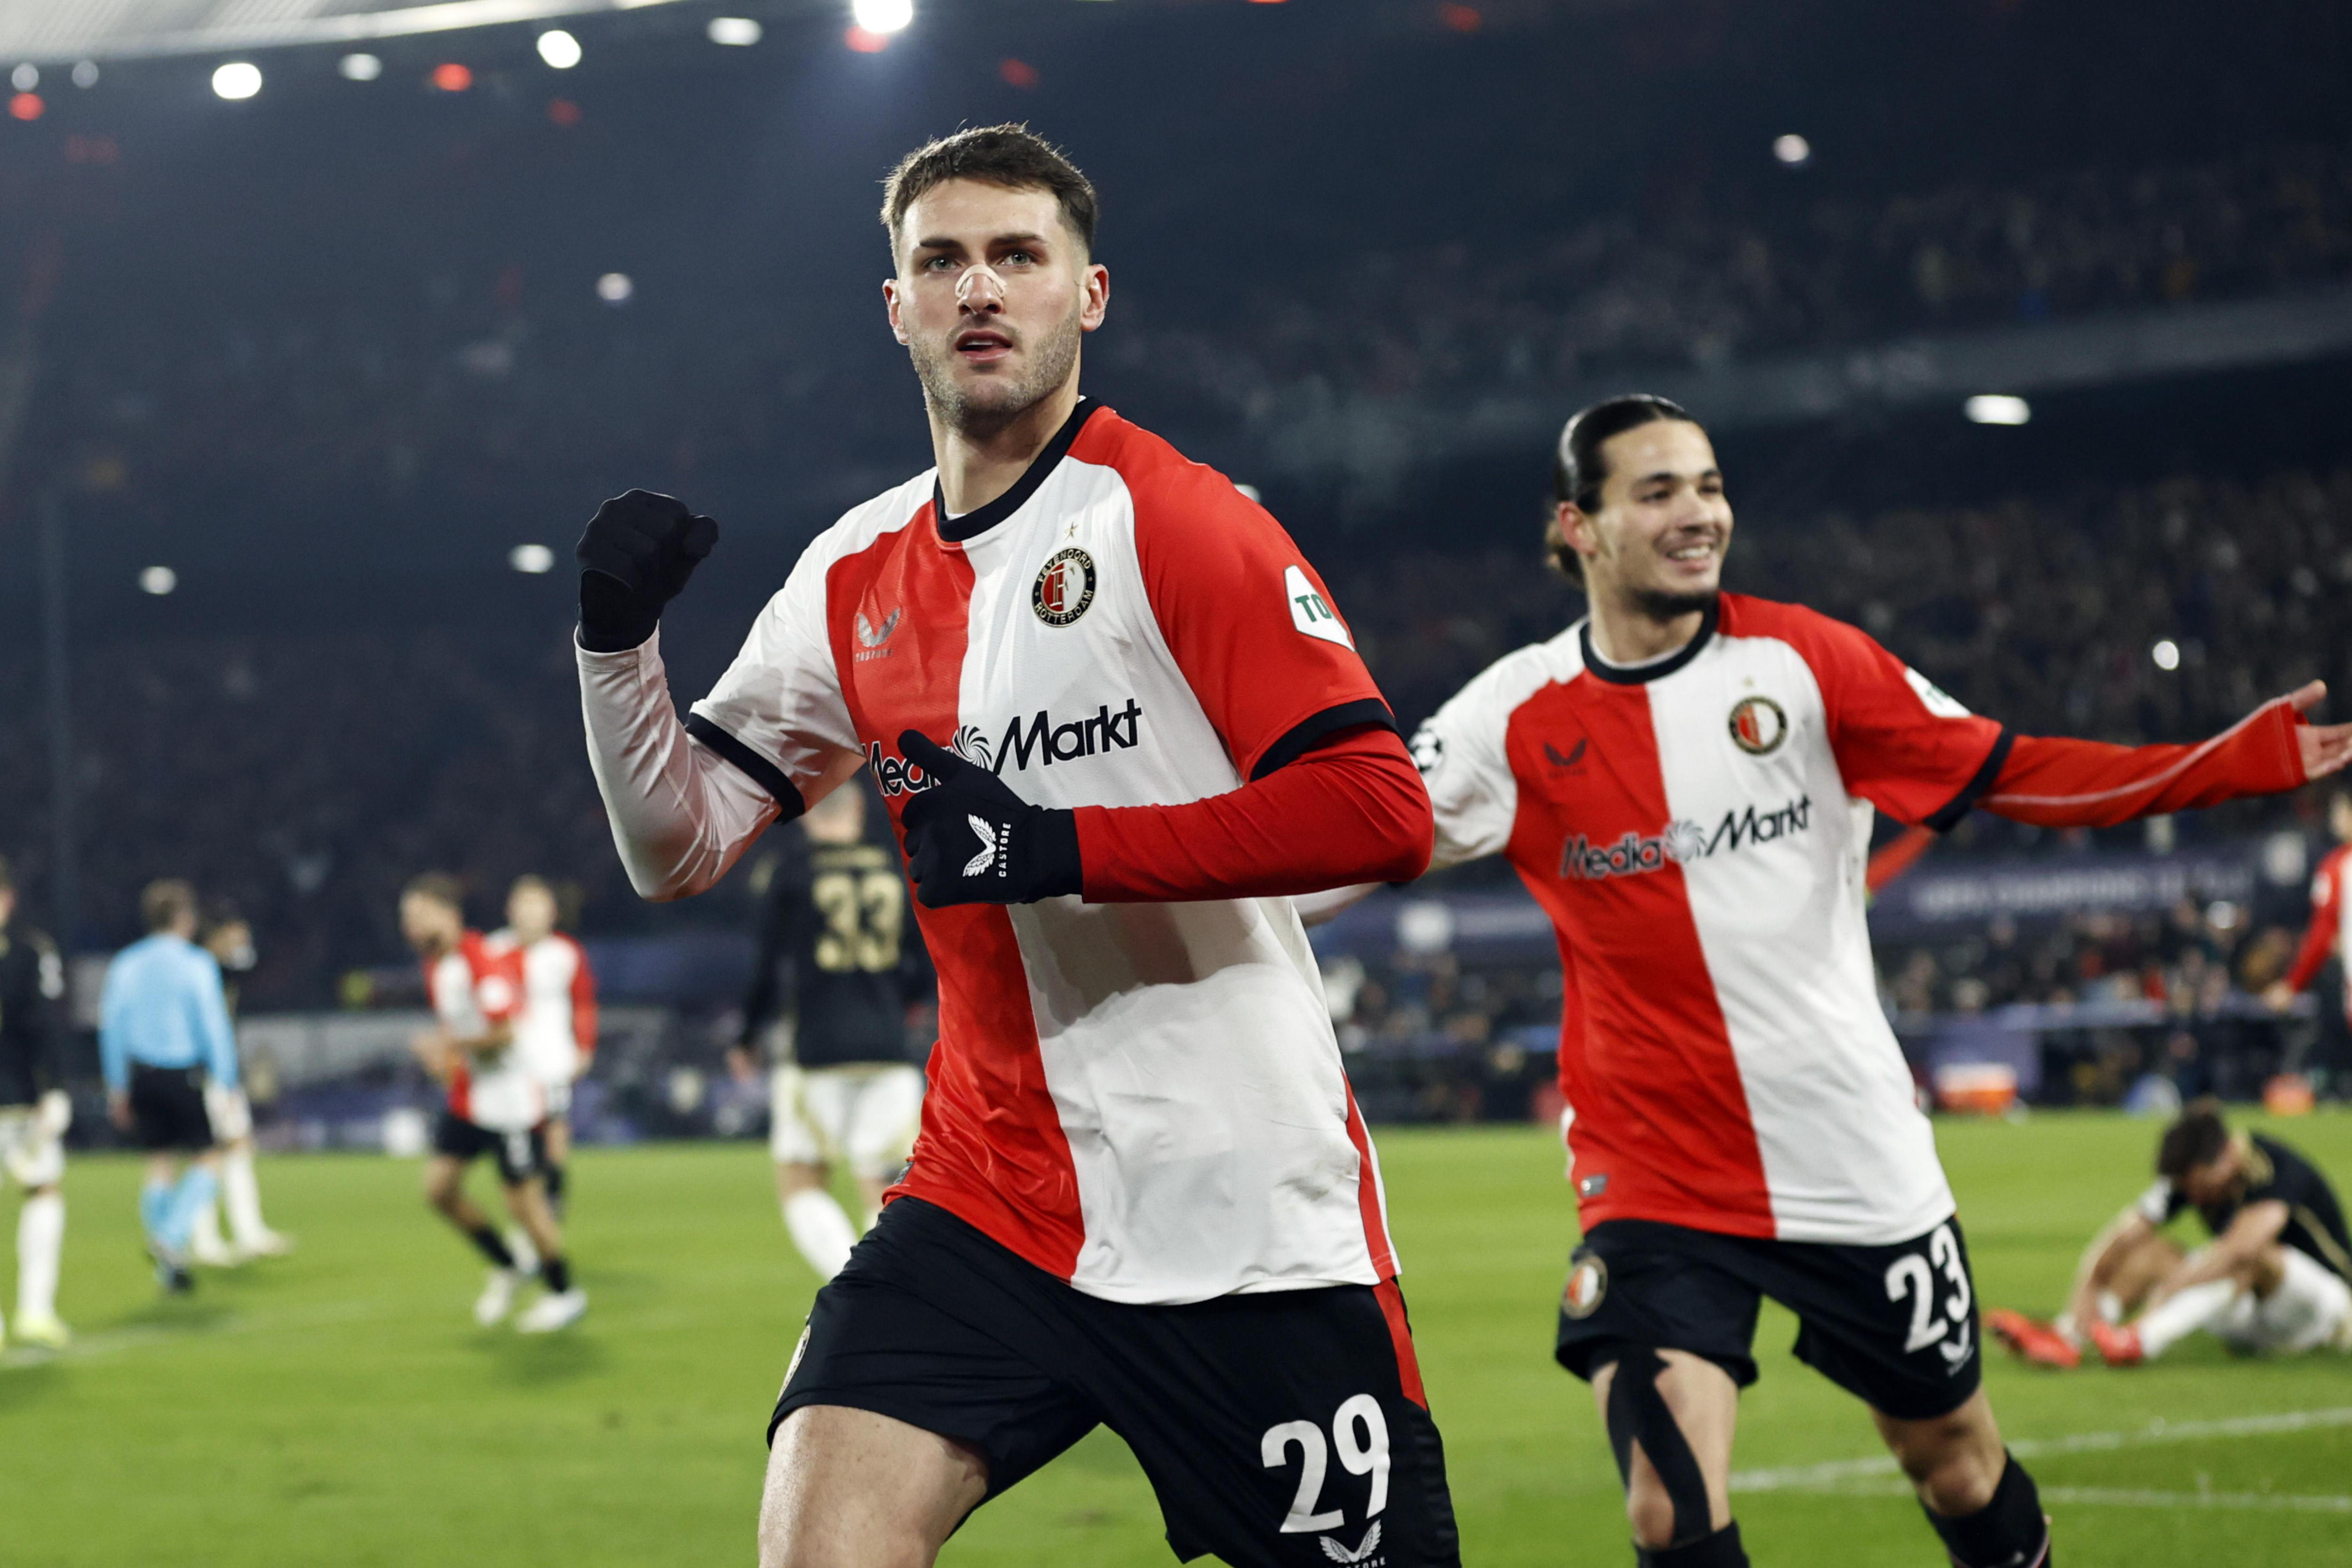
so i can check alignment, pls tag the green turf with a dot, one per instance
(339, 1407)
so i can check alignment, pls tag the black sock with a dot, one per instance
(492, 1247)
(1721, 1550)
(553, 1179)
(557, 1273)
(2007, 1532)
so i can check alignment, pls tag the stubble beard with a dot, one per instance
(1664, 604)
(986, 409)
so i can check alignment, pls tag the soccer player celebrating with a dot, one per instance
(1117, 721)
(1685, 780)
(227, 936)
(34, 1115)
(2331, 907)
(2277, 1277)
(496, 1105)
(556, 1031)
(164, 1038)
(837, 960)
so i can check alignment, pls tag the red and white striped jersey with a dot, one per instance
(474, 987)
(1697, 829)
(2331, 912)
(1144, 1098)
(556, 1031)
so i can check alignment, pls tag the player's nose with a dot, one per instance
(980, 288)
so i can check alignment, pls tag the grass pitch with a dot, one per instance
(339, 1407)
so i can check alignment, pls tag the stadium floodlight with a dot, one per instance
(26, 106)
(614, 287)
(360, 68)
(882, 17)
(1997, 408)
(536, 559)
(237, 79)
(26, 77)
(558, 48)
(2166, 654)
(85, 73)
(158, 580)
(1792, 150)
(735, 32)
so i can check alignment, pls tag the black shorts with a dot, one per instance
(520, 1155)
(1281, 1428)
(1896, 1326)
(167, 1110)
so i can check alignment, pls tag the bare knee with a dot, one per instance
(848, 1488)
(1954, 1461)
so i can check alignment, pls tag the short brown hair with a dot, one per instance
(1010, 155)
(438, 886)
(1577, 471)
(2196, 1138)
(162, 903)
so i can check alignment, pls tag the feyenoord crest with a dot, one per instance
(1064, 587)
(1588, 1282)
(1759, 725)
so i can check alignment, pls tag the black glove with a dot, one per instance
(971, 840)
(638, 552)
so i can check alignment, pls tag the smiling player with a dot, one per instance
(1686, 781)
(1141, 1195)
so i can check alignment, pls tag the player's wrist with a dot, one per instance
(612, 619)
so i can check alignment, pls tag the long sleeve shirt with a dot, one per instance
(164, 1006)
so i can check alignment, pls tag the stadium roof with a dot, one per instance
(43, 30)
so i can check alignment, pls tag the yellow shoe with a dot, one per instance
(47, 1333)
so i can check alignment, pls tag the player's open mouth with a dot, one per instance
(1694, 552)
(982, 347)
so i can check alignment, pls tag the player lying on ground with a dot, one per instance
(229, 939)
(556, 1031)
(837, 973)
(495, 1104)
(2276, 1278)
(164, 1041)
(1686, 781)
(1118, 723)
(34, 1115)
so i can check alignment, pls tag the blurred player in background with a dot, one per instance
(1121, 725)
(2323, 940)
(1686, 781)
(229, 939)
(556, 1032)
(164, 1038)
(2276, 1278)
(838, 962)
(496, 1105)
(34, 1115)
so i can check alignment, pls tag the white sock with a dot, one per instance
(2065, 1326)
(40, 1237)
(820, 1229)
(242, 1195)
(2200, 1305)
(204, 1240)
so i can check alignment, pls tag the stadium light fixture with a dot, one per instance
(558, 48)
(1792, 150)
(2166, 654)
(85, 73)
(26, 106)
(614, 287)
(882, 18)
(451, 76)
(735, 32)
(1997, 408)
(360, 68)
(236, 80)
(533, 560)
(26, 77)
(158, 580)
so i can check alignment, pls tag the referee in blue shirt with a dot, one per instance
(163, 1033)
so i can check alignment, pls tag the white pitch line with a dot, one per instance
(1832, 1473)
(2125, 1498)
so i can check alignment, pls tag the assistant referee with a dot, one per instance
(164, 1032)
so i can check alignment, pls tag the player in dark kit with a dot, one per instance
(1686, 780)
(840, 964)
(34, 1115)
(1118, 723)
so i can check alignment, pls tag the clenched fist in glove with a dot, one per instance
(971, 840)
(638, 552)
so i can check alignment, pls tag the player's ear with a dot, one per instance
(1094, 287)
(1575, 528)
(890, 309)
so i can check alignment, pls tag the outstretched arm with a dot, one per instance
(2058, 783)
(2255, 1228)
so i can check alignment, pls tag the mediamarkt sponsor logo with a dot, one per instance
(1036, 738)
(1681, 843)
